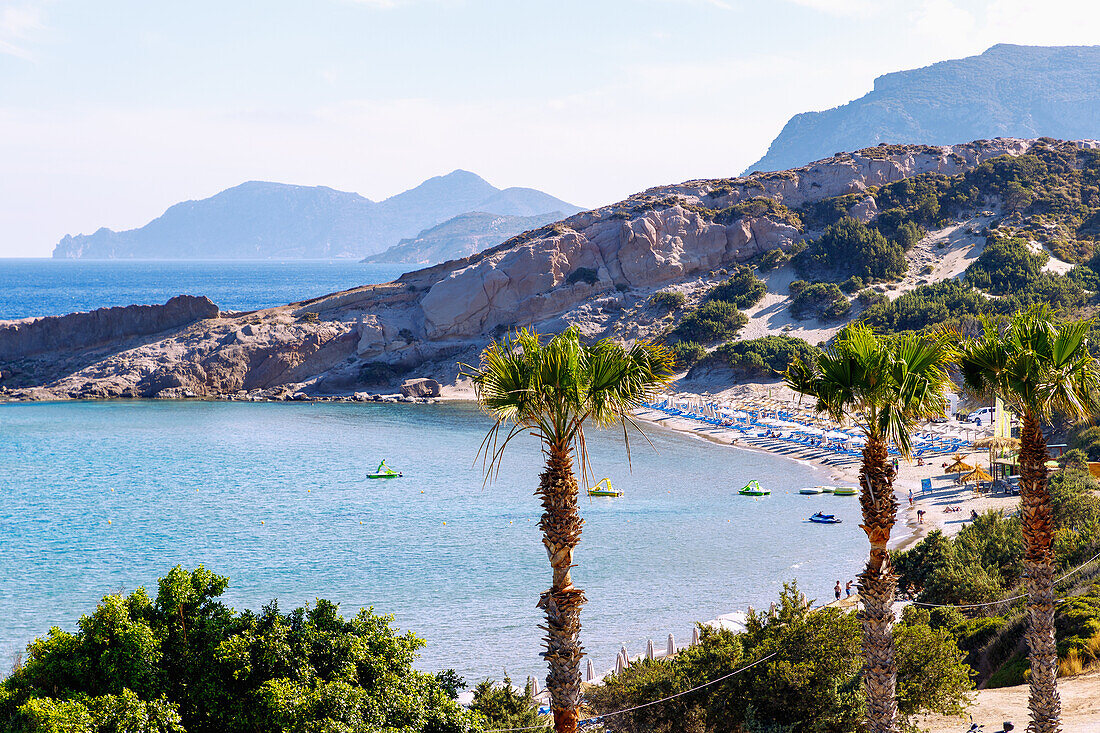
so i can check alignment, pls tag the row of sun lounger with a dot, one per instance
(924, 446)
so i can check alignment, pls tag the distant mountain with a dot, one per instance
(464, 235)
(260, 220)
(1008, 91)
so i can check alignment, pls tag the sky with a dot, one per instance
(111, 111)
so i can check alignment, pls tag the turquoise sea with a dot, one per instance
(274, 496)
(47, 287)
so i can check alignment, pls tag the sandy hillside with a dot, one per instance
(1080, 708)
(948, 251)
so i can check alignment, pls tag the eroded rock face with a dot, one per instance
(19, 339)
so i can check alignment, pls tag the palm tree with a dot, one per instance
(1038, 368)
(883, 385)
(552, 390)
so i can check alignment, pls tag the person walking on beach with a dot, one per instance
(837, 590)
(910, 497)
(848, 589)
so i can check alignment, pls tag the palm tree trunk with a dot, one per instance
(561, 530)
(876, 588)
(1038, 530)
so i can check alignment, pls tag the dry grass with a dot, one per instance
(1079, 661)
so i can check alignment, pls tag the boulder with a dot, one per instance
(420, 388)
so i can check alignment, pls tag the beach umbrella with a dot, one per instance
(694, 635)
(534, 686)
(670, 649)
(959, 466)
(619, 666)
(649, 649)
(978, 475)
(590, 672)
(997, 442)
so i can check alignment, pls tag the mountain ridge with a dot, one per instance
(1006, 91)
(264, 219)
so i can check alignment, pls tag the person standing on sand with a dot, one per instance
(920, 516)
(910, 497)
(837, 590)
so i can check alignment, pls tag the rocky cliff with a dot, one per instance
(79, 331)
(596, 270)
(1020, 91)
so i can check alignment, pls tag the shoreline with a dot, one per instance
(908, 531)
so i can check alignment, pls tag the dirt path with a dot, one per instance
(1080, 708)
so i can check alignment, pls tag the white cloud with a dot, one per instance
(17, 23)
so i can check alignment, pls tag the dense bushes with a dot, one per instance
(185, 661)
(668, 300)
(820, 300)
(763, 357)
(743, 289)
(687, 353)
(1005, 265)
(773, 258)
(849, 248)
(812, 683)
(504, 708)
(714, 321)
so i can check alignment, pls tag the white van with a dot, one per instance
(983, 416)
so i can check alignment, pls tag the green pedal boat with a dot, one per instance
(385, 471)
(752, 488)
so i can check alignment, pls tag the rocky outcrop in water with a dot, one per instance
(76, 331)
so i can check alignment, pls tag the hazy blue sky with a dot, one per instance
(112, 110)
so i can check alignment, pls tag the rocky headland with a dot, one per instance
(596, 270)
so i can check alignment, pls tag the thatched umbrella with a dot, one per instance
(997, 442)
(959, 466)
(978, 475)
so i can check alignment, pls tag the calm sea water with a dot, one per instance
(274, 496)
(46, 287)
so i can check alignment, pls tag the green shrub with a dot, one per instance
(757, 207)
(930, 305)
(1085, 277)
(504, 708)
(773, 258)
(687, 353)
(1005, 265)
(852, 285)
(184, 660)
(797, 286)
(822, 300)
(850, 248)
(812, 684)
(743, 289)
(1087, 439)
(714, 321)
(669, 300)
(870, 297)
(763, 357)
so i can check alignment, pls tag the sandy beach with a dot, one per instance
(947, 506)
